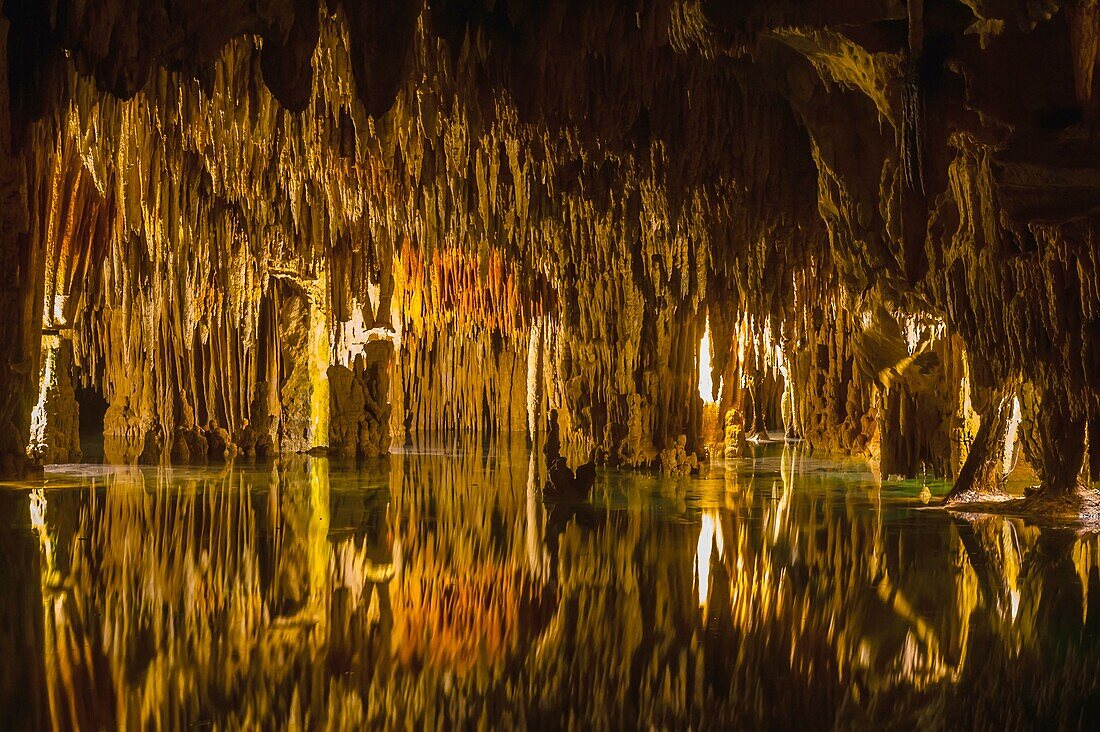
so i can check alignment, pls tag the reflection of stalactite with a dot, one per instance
(167, 594)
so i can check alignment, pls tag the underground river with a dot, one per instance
(440, 587)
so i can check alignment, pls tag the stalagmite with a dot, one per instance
(55, 431)
(360, 414)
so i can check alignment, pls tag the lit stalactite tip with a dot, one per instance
(706, 385)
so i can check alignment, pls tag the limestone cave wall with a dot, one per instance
(295, 224)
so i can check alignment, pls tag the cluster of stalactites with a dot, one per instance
(204, 198)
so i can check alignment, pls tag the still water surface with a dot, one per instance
(438, 589)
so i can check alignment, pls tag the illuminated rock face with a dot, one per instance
(359, 420)
(800, 176)
(55, 421)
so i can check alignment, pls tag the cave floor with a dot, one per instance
(1078, 509)
(438, 587)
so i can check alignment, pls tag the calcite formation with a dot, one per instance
(885, 212)
(359, 420)
(55, 421)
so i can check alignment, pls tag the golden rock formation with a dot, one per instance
(884, 210)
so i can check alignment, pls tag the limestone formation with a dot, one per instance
(190, 443)
(360, 413)
(219, 446)
(880, 209)
(55, 421)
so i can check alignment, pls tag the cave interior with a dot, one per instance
(252, 228)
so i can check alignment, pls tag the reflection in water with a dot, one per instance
(438, 588)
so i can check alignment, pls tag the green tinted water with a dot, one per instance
(439, 588)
